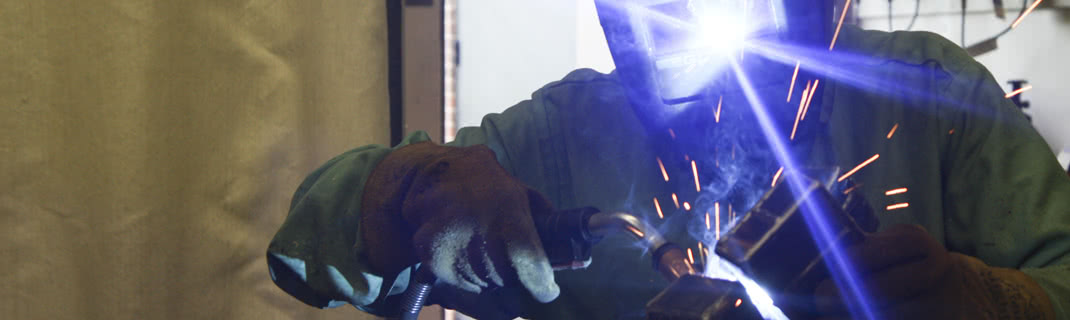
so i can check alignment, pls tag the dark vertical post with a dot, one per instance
(394, 73)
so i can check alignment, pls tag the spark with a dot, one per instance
(690, 256)
(717, 220)
(851, 189)
(739, 302)
(898, 206)
(687, 206)
(717, 114)
(952, 131)
(895, 191)
(1020, 90)
(791, 89)
(798, 114)
(777, 176)
(637, 232)
(809, 97)
(701, 252)
(890, 133)
(707, 220)
(672, 134)
(658, 207)
(675, 201)
(1027, 12)
(843, 16)
(664, 174)
(694, 170)
(859, 167)
(731, 214)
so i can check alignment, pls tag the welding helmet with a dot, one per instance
(673, 54)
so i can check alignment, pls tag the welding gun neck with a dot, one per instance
(669, 259)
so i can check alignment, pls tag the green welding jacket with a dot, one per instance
(980, 178)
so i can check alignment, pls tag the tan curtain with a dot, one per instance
(150, 148)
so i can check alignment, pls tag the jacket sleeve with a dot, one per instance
(317, 255)
(1007, 200)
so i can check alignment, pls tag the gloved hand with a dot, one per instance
(907, 274)
(456, 210)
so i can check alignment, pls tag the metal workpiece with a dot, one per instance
(773, 244)
(694, 297)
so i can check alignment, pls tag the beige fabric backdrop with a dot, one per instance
(150, 148)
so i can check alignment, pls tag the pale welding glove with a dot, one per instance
(458, 212)
(906, 274)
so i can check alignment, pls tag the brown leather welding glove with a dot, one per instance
(456, 210)
(907, 274)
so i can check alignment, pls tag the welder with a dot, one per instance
(708, 101)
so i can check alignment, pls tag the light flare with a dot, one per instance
(895, 191)
(858, 167)
(842, 271)
(898, 206)
(1026, 13)
(892, 132)
(1020, 90)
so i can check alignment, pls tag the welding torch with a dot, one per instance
(567, 237)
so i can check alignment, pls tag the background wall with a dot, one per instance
(1038, 50)
(150, 148)
(511, 48)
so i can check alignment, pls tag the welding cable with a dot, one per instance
(962, 40)
(914, 18)
(416, 295)
(1025, 7)
(890, 28)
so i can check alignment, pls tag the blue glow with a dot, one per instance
(842, 272)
